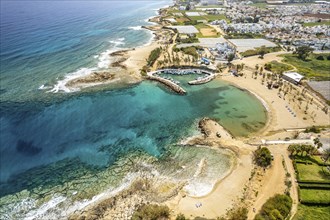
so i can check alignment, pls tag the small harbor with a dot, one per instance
(206, 76)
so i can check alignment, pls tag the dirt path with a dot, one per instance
(273, 181)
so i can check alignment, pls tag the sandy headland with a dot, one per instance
(124, 69)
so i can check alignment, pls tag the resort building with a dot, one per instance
(210, 2)
(292, 77)
(222, 50)
(189, 29)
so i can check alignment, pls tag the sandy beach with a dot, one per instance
(280, 116)
(137, 58)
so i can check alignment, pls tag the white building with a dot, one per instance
(188, 29)
(293, 77)
(210, 2)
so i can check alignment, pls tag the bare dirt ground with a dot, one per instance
(208, 32)
(272, 181)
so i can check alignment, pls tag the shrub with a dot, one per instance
(277, 207)
(239, 213)
(144, 71)
(312, 129)
(320, 57)
(153, 56)
(262, 157)
(181, 217)
(151, 212)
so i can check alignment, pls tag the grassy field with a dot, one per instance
(312, 192)
(204, 26)
(277, 67)
(256, 51)
(209, 17)
(311, 68)
(315, 195)
(244, 36)
(312, 172)
(260, 5)
(210, 6)
(312, 213)
(316, 23)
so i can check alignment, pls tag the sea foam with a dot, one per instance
(136, 28)
(104, 60)
(39, 213)
(60, 86)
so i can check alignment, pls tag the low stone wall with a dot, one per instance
(169, 83)
(175, 87)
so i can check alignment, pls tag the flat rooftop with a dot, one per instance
(185, 29)
(195, 13)
(192, 14)
(172, 20)
(250, 44)
(205, 42)
(294, 75)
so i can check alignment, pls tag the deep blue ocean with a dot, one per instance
(49, 139)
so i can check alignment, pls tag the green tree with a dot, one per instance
(240, 213)
(230, 57)
(262, 157)
(181, 217)
(292, 149)
(220, 67)
(326, 155)
(303, 52)
(276, 208)
(262, 52)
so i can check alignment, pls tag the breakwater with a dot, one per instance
(154, 75)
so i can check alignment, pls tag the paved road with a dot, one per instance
(296, 141)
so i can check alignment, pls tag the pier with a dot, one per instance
(173, 84)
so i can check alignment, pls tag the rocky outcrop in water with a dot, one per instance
(95, 77)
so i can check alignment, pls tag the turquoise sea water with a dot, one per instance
(49, 139)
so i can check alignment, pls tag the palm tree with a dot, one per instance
(220, 67)
(326, 155)
(261, 70)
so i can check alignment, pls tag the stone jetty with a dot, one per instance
(173, 84)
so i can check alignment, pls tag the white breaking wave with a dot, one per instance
(117, 42)
(136, 28)
(39, 213)
(104, 61)
(60, 213)
(198, 189)
(43, 87)
(61, 84)
(104, 58)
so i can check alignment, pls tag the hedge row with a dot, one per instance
(306, 202)
(303, 162)
(311, 160)
(314, 186)
(314, 181)
(296, 169)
